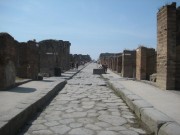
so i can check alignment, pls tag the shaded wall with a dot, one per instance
(129, 63)
(7, 60)
(27, 66)
(145, 63)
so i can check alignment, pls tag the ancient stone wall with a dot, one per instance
(150, 62)
(145, 63)
(166, 48)
(129, 63)
(7, 60)
(28, 62)
(82, 59)
(119, 63)
(66, 57)
(177, 82)
(54, 53)
(141, 63)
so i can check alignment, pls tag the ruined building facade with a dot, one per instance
(124, 63)
(145, 62)
(54, 53)
(79, 59)
(27, 60)
(7, 60)
(129, 63)
(168, 47)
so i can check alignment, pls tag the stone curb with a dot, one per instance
(157, 122)
(11, 123)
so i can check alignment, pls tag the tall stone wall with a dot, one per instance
(66, 51)
(129, 63)
(54, 53)
(7, 60)
(82, 59)
(119, 63)
(150, 62)
(28, 62)
(177, 82)
(145, 63)
(166, 48)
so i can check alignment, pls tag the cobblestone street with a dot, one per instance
(85, 106)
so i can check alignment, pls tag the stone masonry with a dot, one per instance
(7, 60)
(129, 63)
(54, 53)
(145, 62)
(27, 62)
(168, 47)
(81, 59)
(119, 63)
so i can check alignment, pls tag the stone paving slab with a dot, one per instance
(20, 103)
(86, 106)
(155, 107)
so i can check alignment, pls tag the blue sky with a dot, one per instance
(92, 26)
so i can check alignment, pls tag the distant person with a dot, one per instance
(77, 65)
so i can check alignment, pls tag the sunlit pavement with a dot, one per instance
(86, 106)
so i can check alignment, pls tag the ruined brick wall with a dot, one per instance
(119, 63)
(129, 63)
(177, 83)
(145, 63)
(7, 60)
(49, 56)
(141, 63)
(150, 62)
(67, 45)
(114, 63)
(166, 48)
(28, 61)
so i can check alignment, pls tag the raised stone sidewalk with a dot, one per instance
(19, 104)
(158, 109)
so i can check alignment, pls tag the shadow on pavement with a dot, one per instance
(22, 90)
(46, 81)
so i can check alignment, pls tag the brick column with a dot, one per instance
(166, 46)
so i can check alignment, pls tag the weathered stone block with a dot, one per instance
(98, 71)
(154, 118)
(139, 105)
(169, 129)
(129, 100)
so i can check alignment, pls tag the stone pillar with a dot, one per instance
(145, 62)
(129, 64)
(115, 63)
(7, 61)
(141, 63)
(67, 45)
(166, 46)
(119, 63)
